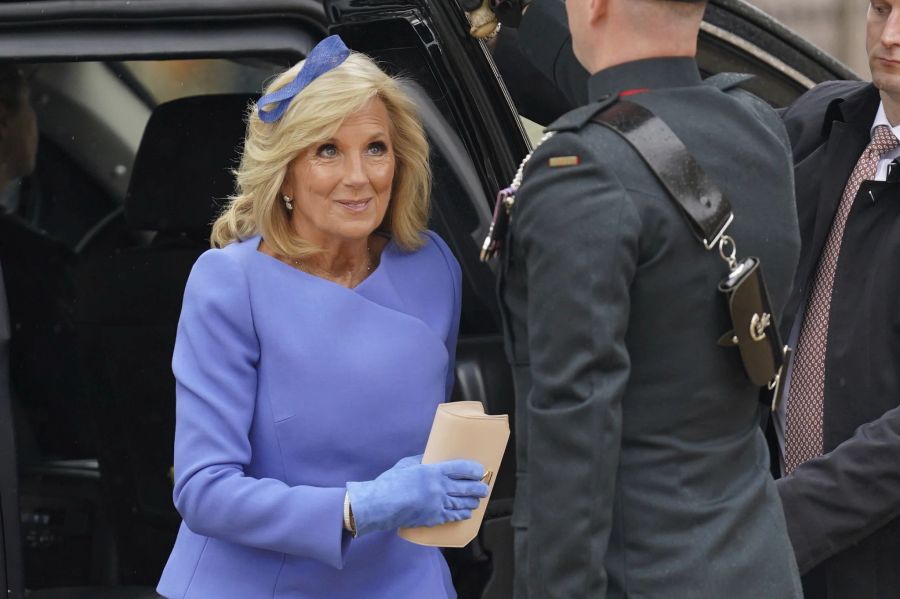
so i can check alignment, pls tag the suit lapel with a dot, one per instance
(848, 136)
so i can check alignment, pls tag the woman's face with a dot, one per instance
(341, 187)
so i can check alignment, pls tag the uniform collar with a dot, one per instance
(647, 74)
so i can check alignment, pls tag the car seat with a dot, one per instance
(129, 304)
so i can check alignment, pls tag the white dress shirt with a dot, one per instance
(881, 119)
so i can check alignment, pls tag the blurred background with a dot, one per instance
(836, 26)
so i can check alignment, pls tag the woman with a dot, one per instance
(314, 346)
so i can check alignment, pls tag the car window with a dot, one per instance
(167, 80)
(90, 119)
(91, 116)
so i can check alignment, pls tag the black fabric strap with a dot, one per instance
(707, 209)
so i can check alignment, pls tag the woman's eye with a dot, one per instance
(326, 151)
(377, 148)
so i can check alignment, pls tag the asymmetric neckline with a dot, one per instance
(386, 253)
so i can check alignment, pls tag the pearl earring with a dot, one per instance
(287, 202)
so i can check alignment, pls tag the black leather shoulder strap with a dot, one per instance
(707, 209)
(581, 116)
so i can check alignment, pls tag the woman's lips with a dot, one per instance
(355, 205)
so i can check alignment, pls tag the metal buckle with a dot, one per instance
(488, 476)
(499, 223)
(776, 385)
(715, 242)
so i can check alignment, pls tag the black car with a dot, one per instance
(140, 106)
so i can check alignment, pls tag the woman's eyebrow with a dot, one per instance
(383, 135)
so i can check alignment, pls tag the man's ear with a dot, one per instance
(597, 9)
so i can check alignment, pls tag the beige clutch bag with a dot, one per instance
(462, 431)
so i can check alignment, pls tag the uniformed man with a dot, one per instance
(642, 468)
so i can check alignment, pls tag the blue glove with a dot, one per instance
(416, 494)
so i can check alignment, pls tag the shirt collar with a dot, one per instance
(881, 119)
(647, 74)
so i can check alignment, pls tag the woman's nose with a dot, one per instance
(355, 172)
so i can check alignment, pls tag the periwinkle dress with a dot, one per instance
(288, 386)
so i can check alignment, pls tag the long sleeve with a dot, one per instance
(544, 37)
(577, 231)
(840, 498)
(215, 365)
(454, 273)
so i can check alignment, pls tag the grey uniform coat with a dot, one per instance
(642, 469)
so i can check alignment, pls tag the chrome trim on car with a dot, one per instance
(757, 52)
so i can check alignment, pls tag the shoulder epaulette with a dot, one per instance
(726, 81)
(578, 118)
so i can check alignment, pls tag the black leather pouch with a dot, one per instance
(754, 332)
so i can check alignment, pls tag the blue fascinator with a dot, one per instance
(327, 54)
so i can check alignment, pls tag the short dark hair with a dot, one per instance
(12, 80)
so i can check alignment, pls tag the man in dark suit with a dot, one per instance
(642, 469)
(838, 432)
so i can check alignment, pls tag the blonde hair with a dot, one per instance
(315, 115)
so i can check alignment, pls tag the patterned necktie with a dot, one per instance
(803, 427)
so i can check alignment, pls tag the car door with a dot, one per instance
(477, 142)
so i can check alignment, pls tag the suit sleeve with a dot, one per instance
(215, 365)
(838, 499)
(577, 232)
(454, 275)
(545, 40)
(535, 95)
